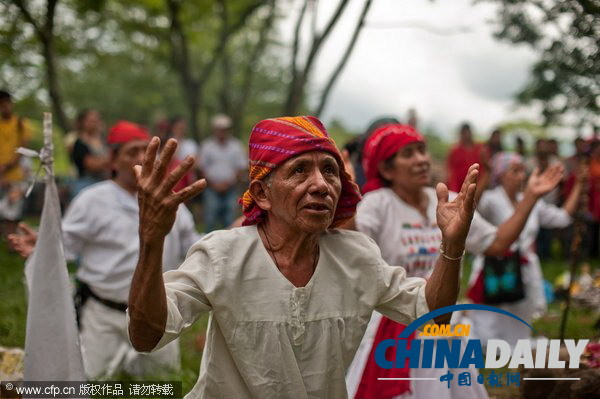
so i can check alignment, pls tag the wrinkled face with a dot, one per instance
(123, 161)
(409, 169)
(304, 191)
(513, 179)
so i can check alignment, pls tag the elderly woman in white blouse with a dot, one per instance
(289, 295)
(496, 206)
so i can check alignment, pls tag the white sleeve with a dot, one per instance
(78, 226)
(368, 216)
(188, 291)
(552, 217)
(481, 235)
(401, 298)
(485, 207)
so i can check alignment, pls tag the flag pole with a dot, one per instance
(47, 152)
(52, 350)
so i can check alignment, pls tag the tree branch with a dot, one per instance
(28, 17)
(251, 66)
(296, 93)
(179, 46)
(226, 31)
(296, 43)
(50, 9)
(343, 61)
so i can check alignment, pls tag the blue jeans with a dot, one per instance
(219, 208)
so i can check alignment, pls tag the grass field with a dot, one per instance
(13, 309)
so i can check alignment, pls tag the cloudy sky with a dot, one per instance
(461, 75)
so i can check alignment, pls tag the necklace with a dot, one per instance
(270, 249)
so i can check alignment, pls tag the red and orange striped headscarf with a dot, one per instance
(274, 141)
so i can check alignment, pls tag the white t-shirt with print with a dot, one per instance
(408, 238)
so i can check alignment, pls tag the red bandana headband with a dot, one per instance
(381, 145)
(123, 132)
(274, 141)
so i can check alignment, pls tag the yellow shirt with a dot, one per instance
(13, 134)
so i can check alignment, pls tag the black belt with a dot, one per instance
(113, 305)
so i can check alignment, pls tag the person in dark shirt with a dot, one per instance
(89, 153)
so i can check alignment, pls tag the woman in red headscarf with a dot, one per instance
(398, 211)
(289, 294)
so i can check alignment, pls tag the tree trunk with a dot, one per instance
(45, 33)
(237, 112)
(53, 87)
(193, 101)
(300, 77)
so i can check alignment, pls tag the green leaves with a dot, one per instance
(566, 77)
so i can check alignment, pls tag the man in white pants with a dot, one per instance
(100, 229)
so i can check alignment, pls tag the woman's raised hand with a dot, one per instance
(157, 201)
(454, 217)
(540, 184)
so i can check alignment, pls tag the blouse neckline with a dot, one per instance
(273, 267)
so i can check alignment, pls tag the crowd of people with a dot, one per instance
(306, 283)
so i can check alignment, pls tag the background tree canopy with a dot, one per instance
(566, 77)
(146, 60)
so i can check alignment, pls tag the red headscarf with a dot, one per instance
(382, 144)
(123, 132)
(274, 141)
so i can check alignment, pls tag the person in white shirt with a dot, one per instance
(186, 146)
(496, 205)
(289, 295)
(222, 161)
(100, 230)
(398, 211)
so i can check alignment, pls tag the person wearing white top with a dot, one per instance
(496, 205)
(223, 161)
(289, 295)
(100, 231)
(399, 213)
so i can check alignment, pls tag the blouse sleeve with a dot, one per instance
(485, 205)
(481, 235)
(188, 291)
(552, 217)
(401, 298)
(368, 218)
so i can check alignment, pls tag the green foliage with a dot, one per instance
(566, 33)
(117, 57)
(13, 306)
(340, 134)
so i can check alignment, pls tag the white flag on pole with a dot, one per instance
(52, 351)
